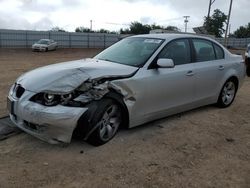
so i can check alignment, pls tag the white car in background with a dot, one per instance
(44, 45)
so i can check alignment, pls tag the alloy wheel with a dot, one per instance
(109, 122)
(228, 92)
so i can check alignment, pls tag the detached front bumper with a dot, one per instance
(52, 124)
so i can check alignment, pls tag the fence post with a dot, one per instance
(26, 39)
(88, 39)
(69, 40)
(104, 40)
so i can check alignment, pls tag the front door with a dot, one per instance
(170, 90)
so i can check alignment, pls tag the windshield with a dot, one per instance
(42, 42)
(133, 51)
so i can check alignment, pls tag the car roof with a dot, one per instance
(169, 36)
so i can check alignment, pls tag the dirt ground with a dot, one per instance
(206, 147)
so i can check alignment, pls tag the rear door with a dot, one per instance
(209, 69)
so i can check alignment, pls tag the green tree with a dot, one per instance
(58, 29)
(154, 26)
(172, 28)
(243, 31)
(214, 25)
(125, 31)
(83, 30)
(102, 31)
(139, 28)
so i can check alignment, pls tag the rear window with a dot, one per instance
(204, 50)
(219, 52)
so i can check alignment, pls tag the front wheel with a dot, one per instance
(109, 118)
(227, 94)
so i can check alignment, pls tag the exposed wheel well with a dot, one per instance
(84, 125)
(235, 80)
(118, 98)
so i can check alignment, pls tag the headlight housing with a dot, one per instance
(50, 99)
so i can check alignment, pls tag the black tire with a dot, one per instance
(248, 70)
(248, 67)
(104, 106)
(46, 49)
(227, 95)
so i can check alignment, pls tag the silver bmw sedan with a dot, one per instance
(137, 80)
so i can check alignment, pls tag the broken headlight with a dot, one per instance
(49, 99)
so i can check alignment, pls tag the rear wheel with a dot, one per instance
(108, 119)
(227, 94)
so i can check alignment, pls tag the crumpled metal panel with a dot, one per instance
(56, 123)
(65, 77)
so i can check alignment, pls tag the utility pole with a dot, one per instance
(91, 21)
(186, 21)
(228, 20)
(209, 7)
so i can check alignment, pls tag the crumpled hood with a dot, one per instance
(65, 77)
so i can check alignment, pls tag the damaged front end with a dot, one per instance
(53, 115)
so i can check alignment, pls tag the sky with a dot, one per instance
(113, 14)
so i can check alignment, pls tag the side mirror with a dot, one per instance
(165, 63)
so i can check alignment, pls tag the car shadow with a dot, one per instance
(152, 125)
(160, 122)
(124, 133)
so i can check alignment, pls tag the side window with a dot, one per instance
(219, 52)
(204, 50)
(178, 51)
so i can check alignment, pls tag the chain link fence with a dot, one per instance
(235, 42)
(24, 39)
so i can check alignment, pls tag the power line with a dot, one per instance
(209, 7)
(171, 19)
(112, 23)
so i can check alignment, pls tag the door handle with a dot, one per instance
(190, 73)
(221, 67)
